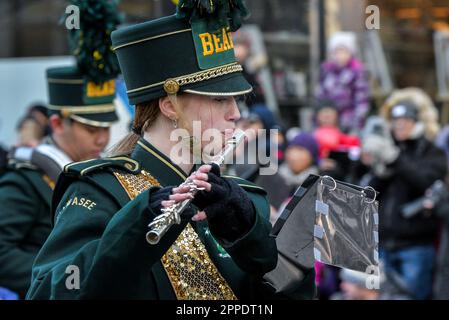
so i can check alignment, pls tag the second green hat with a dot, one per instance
(73, 96)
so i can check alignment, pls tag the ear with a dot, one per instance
(57, 124)
(168, 108)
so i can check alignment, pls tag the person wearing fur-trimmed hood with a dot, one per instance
(403, 166)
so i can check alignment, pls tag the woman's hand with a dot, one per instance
(229, 211)
(226, 206)
(182, 193)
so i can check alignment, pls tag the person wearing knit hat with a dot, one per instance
(343, 40)
(301, 159)
(343, 80)
(179, 70)
(308, 142)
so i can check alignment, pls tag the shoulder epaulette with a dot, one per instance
(89, 166)
(15, 164)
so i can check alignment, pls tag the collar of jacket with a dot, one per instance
(158, 164)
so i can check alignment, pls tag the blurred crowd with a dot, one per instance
(398, 148)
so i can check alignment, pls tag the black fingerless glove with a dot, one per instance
(163, 194)
(230, 212)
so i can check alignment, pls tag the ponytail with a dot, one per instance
(146, 114)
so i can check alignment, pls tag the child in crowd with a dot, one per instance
(343, 80)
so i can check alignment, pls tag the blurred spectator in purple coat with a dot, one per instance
(343, 80)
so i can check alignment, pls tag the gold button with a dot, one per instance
(65, 113)
(171, 86)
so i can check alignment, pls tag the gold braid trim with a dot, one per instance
(175, 83)
(209, 74)
(191, 272)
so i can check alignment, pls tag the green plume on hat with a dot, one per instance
(91, 43)
(216, 12)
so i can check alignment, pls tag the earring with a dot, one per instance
(175, 123)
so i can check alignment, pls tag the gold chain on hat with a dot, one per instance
(172, 85)
(189, 268)
(209, 74)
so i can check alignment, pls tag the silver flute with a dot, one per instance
(172, 215)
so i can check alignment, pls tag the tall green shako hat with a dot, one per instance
(85, 92)
(191, 51)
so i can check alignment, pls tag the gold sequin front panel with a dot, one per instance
(189, 268)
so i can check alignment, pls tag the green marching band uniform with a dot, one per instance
(27, 186)
(25, 194)
(101, 207)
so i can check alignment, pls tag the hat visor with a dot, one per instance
(233, 84)
(102, 120)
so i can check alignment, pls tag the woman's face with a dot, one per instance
(209, 112)
(298, 159)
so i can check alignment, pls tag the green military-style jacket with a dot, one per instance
(100, 233)
(25, 222)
